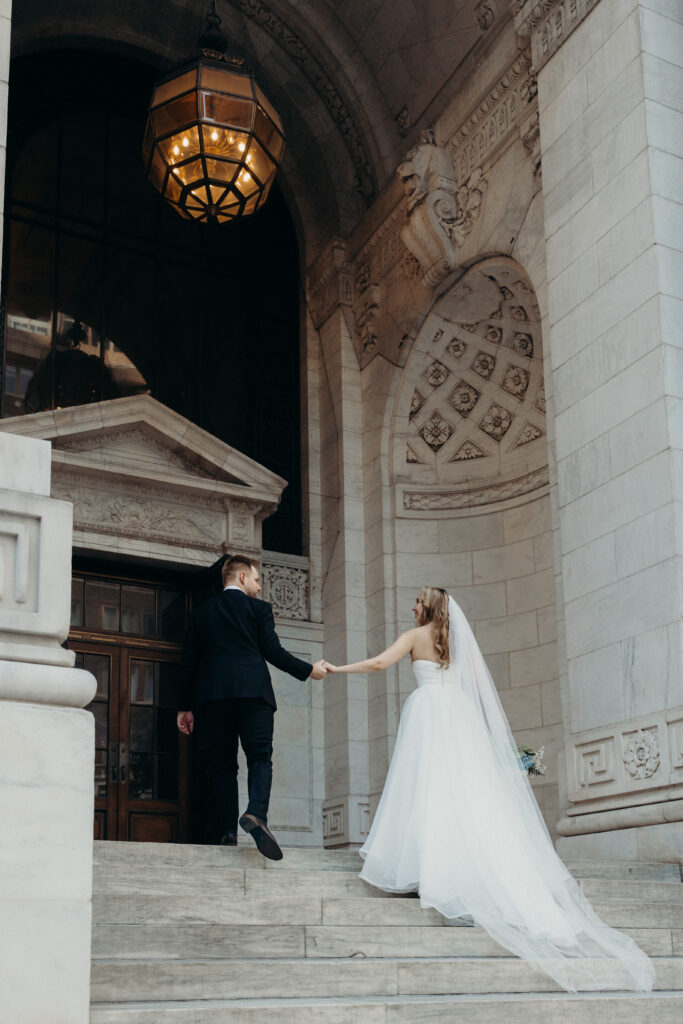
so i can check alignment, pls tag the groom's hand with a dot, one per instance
(319, 670)
(185, 721)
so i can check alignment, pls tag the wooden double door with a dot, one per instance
(141, 760)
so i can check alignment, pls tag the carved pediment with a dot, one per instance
(137, 446)
(144, 480)
(139, 437)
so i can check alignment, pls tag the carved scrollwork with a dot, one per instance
(440, 215)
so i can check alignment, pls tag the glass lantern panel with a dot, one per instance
(201, 195)
(180, 146)
(196, 212)
(173, 189)
(157, 171)
(269, 108)
(167, 90)
(190, 172)
(227, 109)
(174, 115)
(225, 142)
(267, 133)
(148, 143)
(259, 163)
(221, 170)
(250, 205)
(226, 81)
(247, 184)
(217, 194)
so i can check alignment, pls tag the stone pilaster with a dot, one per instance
(609, 78)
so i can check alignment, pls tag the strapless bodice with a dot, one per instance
(427, 672)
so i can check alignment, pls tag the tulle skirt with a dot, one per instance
(446, 828)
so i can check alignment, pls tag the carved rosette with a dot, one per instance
(439, 215)
(286, 588)
(641, 754)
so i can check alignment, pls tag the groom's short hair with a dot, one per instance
(236, 564)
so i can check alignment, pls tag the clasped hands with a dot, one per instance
(322, 668)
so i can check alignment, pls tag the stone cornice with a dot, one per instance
(548, 23)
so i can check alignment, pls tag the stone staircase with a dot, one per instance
(211, 935)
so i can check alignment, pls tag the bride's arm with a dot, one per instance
(398, 650)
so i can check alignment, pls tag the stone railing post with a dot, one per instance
(46, 754)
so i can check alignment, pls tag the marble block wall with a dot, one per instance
(499, 568)
(611, 134)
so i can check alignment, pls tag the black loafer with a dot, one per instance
(229, 839)
(262, 836)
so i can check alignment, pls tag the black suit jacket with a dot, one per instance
(227, 644)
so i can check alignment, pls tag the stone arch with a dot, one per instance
(469, 425)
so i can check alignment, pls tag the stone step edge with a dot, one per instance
(328, 960)
(490, 997)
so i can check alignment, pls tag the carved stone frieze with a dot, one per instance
(302, 56)
(617, 765)
(331, 282)
(548, 23)
(509, 104)
(439, 214)
(286, 587)
(448, 499)
(143, 518)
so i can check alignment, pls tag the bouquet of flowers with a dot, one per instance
(531, 761)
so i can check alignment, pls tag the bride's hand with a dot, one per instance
(331, 669)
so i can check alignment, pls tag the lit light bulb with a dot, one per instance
(186, 142)
(245, 176)
(241, 147)
(176, 150)
(214, 135)
(231, 139)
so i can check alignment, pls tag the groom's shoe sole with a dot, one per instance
(262, 836)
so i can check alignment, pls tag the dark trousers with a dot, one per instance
(222, 724)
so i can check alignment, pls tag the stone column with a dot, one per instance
(345, 808)
(46, 754)
(610, 88)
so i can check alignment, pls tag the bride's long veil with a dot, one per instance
(525, 897)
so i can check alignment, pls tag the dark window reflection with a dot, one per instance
(110, 293)
(141, 777)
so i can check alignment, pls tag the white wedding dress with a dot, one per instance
(458, 823)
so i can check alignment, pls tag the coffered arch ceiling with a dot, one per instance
(352, 78)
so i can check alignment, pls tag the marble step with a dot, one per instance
(207, 908)
(204, 941)
(148, 880)
(659, 1008)
(632, 889)
(170, 855)
(129, 980)
(187, 857)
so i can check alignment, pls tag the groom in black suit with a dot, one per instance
(229, 696)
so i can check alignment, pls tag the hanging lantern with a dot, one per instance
(213, 141)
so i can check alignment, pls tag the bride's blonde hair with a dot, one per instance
(434, 602)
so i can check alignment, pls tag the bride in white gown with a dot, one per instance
(458, 821)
